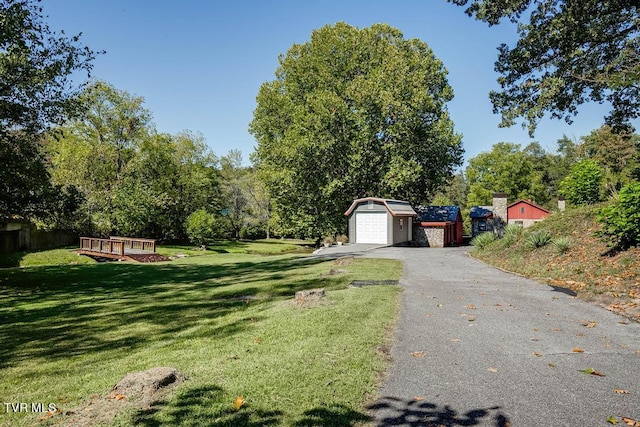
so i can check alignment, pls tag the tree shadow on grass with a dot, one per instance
(332, 416)
(61, 311)
(210, 406)
(391, 411)
(204, 406)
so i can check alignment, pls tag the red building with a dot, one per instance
(438, 226)
(525, 213)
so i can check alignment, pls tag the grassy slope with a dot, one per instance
(225, 320)
(583, 269)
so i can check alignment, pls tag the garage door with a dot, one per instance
(371, 228)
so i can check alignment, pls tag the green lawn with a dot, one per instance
(259, 247)
(226, 320)
(50, 257)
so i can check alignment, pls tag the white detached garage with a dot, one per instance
(380, 221)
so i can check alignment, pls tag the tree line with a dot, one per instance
(585, 171)
(352, 112)
(115, 174)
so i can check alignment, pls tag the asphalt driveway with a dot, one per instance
(475, 346)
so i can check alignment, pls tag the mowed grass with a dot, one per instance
(225, 320)
(48, 257)
(260, 247)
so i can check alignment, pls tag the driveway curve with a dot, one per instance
(475, 346)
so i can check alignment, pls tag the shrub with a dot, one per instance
(538, 239)
(342, 238)
(583, 185)
(621, 219)
(202, 227)
(252, 232)
(481, 241)
(510, 234)
(561, 244)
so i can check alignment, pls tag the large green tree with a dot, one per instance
(505, 168)
(36, 90)
(568, 53)
(617, 152)
(133, 180)
(352, 112)
(91, 151)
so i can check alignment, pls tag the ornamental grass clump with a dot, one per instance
(538, 239)
(561, 244)
(510, 235)
(481, 241)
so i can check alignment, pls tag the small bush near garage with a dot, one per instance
(511, 234)
(483, 240)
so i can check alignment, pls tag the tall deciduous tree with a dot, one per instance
(134, 181)
(353, 112)
(36, 90)
(617, 152)
(506, 168)
(234, 200)
(91, 151)
(568, 53)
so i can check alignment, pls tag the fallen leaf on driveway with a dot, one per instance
(552, 365)
(589, 324)
(620, 391)
(631, 422)
(418, 354)
(535, 353)
(492, 369)
(471, 307)
(471, 319)
(591, 371)
(418, 398)
(612, 420)
(578, 350)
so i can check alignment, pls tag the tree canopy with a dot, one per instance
(352, 113)
(35, 67)
(568, 53)
(36, 90)
(133, 180)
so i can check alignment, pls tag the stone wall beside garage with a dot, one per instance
(432, 237)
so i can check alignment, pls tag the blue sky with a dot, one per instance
(199, 64)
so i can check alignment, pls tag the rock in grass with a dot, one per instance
(309, 297)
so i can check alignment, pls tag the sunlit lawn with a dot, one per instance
(225, 320)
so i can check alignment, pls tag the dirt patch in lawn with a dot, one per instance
(136, 391)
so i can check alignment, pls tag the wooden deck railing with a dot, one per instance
(103, 246)
(148, 245)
